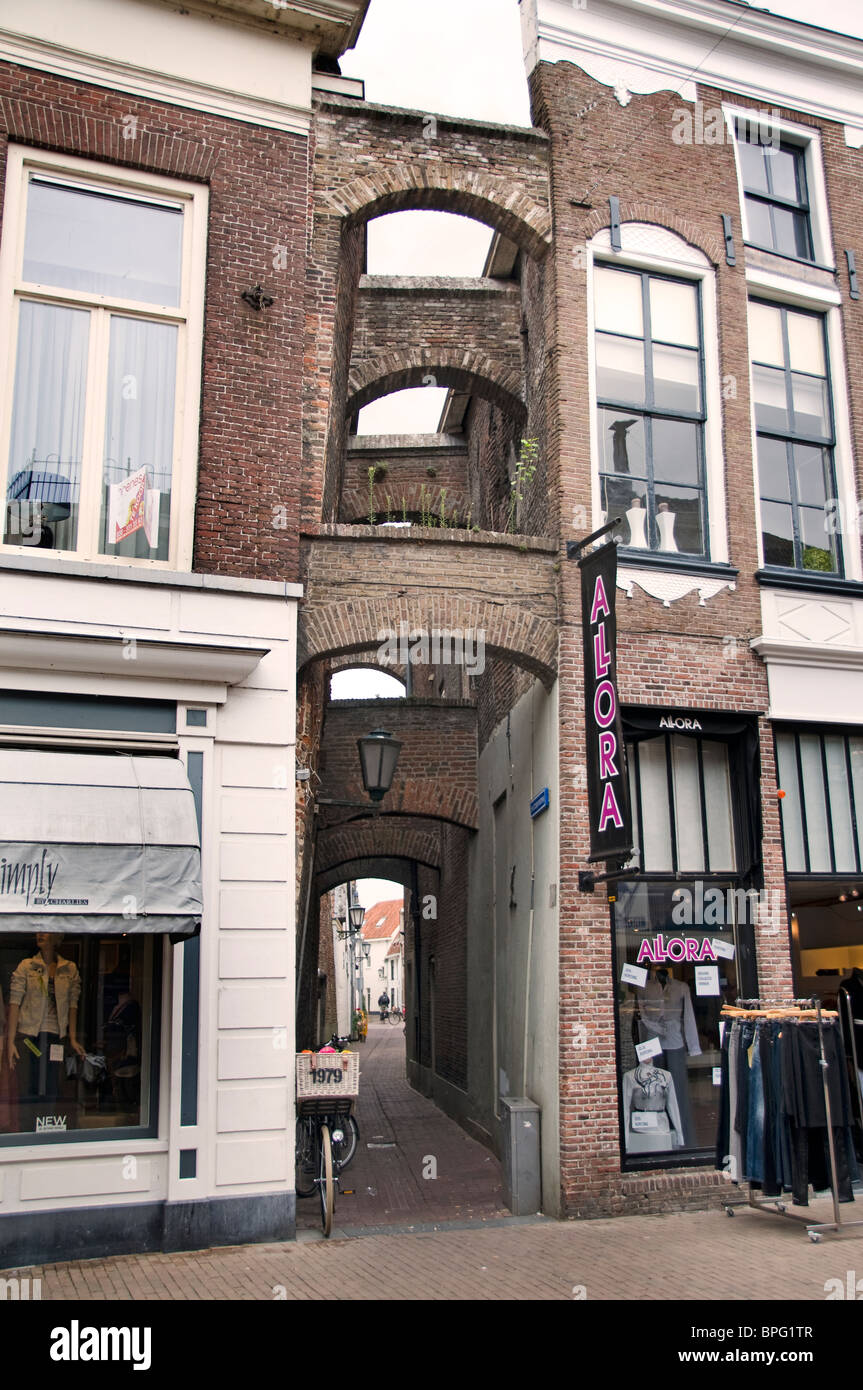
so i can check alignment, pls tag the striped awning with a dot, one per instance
(100, 843)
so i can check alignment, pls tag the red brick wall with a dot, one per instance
(251, 408)
(436, 771)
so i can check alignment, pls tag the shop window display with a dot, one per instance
(673, 976)
(77, 1014)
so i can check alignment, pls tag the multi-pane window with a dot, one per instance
(794, 421)
(680, 793)
(102, 284)
(822, 809)
(775, 196)
(650, 397)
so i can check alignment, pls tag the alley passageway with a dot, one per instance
(401, 1132)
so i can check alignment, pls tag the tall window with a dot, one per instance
(680, 792)
(103, 294)
(650, 396)
(775, 196)
(822, 810)
(794, 421)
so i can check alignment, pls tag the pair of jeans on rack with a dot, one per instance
(773, 1118)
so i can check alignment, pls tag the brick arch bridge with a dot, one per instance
(472, 372)
(365, 849)
(512, 633)
(443, 187)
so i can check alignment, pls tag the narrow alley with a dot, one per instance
(402, 1136)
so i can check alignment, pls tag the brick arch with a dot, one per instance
(437, 186)
(512, 634)
(658, 216)
(471, 372)
(388, 837)
(398, 870)
(365, 661)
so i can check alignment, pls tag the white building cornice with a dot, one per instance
(151, 85)
(675, 45)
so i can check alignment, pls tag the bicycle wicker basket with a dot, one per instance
(327, 1075)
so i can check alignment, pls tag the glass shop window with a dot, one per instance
(675, 949)
(79, 1023)
(680, 793)
(821, 775)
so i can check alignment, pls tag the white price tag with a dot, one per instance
(56, 1053)
(634, 975)
(723, 949)
(717, 1076)
(707, 979)
(644, 1119)
(644, 1051)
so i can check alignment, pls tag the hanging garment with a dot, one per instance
(666, 1013)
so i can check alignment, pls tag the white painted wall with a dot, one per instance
(512, 1036)
(244, 1134)
(210, 63)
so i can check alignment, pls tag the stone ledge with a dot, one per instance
(331, 530)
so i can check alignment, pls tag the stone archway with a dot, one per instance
(468, 371)
(440, 186)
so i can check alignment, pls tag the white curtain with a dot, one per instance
(139, 426)
(49, 401)
(792, 820)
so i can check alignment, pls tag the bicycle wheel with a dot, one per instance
(327, 1181)
(395, 1017)
(307, 1167)
(344, 1149)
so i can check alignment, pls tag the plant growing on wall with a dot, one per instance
(372, 516)
(443, 506)
(525, 468)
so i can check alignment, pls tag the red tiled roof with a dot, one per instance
(382, 920)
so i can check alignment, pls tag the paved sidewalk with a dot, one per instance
(450, 1238)
(701, 1255)
(385, 1185)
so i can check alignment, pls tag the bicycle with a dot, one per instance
(396, 1015)
(327, 1133)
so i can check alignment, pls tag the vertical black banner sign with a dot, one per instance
(607, 787)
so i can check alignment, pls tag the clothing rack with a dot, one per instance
(856, 1061)
(804, 1009)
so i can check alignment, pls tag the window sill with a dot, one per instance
(811, 580)
(789, 260)
(675, 564)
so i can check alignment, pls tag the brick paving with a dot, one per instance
(683, 1256)
(448, 1239)
(386, 1186)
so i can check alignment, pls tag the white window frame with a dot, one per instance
(809, 140)
(762, 284)
(188, 315)
(690, 265)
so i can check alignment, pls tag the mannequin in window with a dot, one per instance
(666, 1013)
(637, 519)
(43, 1011)
(651, 1112)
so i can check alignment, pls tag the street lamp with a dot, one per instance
(379, 753)
(357, 914)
